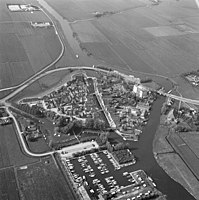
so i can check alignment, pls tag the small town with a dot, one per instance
(99, 100)
(80, 120)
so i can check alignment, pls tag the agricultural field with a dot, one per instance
(146, 42)
(191, 139)
(10, 150)
(76, 9)
(11, 156)
(138, 36)
(186, 153)
(24, 50)
(38, 181)
(8, 185)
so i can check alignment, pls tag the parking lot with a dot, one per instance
(100, 175)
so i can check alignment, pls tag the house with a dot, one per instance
(170, 116)
(137, 132)
(140, 91)
(41, 24)
(143, 106)
(5, 121)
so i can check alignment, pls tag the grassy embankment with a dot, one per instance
(171, 162)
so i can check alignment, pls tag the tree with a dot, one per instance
(61, 121)
(99, 124)
(89, 123)
(109, 146)
(120, 146)
(57, 129)
(103, 137)
(78, 123)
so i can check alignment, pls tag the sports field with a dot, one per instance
(24, 50)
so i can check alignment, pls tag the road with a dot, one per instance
(19, 88)
(20, 135)
(180, 98)
(4, 101)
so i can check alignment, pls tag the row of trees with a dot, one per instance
(95, 123)
(123, 156)
(33, 110)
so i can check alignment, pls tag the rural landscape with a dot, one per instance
(99, 100)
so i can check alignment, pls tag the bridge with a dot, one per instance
(179, 98)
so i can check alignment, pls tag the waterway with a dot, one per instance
(74, 45)
(147, 162)
(143, 148)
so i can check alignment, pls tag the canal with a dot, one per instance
(146, 161)
(143, 148)
(73, 43)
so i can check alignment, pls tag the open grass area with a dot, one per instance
(160, 144)
(24, 50)
(10, 150)
(44, 181)
(39, 146)
(177, 169)
(44, 85)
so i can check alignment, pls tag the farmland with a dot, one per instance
(24, 49)
(43, 181)
(8, 185)
(76, 10)
(10, 151)
(11, 156)
(188, 156)
(138, 36)
(191, 140)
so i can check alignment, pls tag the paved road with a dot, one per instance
(180, 98)
(20, 135)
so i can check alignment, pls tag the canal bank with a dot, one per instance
(146, 161)
(76, 51)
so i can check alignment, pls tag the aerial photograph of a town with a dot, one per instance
(99, 99)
